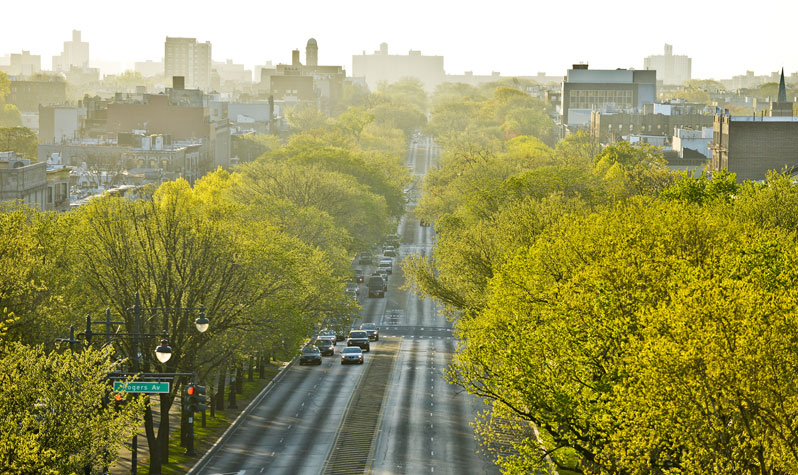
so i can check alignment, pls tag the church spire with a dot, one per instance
(782, 88)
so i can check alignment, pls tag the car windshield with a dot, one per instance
(310, 350)
(352, 350)
(368, 326)
(358, 335)
(323, 342)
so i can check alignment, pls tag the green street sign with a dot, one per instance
(141, 387)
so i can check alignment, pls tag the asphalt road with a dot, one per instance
(422, 424)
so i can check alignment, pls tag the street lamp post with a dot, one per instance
(163, 352)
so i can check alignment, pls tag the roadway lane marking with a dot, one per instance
(289, 425)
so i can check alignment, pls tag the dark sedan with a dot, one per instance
(325, 346)
(359, 338)
(372, 330)
(310, 355)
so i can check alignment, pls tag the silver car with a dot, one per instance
(352, 354)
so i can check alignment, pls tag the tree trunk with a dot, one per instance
(152, 442)
(219, 397)
(163, 428)
(232, 404)
(251, 369)
(240, 379)
(263, 360)
(183, 419)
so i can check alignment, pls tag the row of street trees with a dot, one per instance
(641, 320)
(266, 250)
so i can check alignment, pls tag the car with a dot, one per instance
(359, 338)
(372, 330)
(389, 251)
(386, 264)
(376, 286)
(352, 355)
(329, 335)
(352, 289)
(364, 258)
(326, 346)
(392, 240)
(357, 276)
(384, 274)
(424, 223)
(310, 355)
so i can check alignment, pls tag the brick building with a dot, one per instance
(750, 146)
(29, 95)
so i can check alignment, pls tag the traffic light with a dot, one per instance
(190, 404)
(200, 395)
(194, 398)
(119, 401)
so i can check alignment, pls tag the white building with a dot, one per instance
(696, 140)
(75, 54)
(23, 64)
(390, 68)
(672, 70)
(190, 59)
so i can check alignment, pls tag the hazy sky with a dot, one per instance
(512, 37)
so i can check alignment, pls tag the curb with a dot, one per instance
(206, 458)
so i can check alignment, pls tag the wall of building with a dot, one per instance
(750, 147)
(158, 116)
(391, 68)
(29, 95)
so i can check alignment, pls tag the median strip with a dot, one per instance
(353, 445)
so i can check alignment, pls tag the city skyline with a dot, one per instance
(470, 37)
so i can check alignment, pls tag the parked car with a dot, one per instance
(372, 330)
(376, 286)
(359, 338)
(352, 355)
(386, 264)
(310, 355)
(325, 346)
(364, 258)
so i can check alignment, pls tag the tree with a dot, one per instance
(604, 333)
(19, 139)
(56, 417)
(305, 119)
(176, 250)
(251, 146)
(5, 86)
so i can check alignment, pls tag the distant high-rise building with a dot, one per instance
(23, 64)
(75, 54)
(190, 59)
(382, 66)
(671, 70)
(312, 53)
